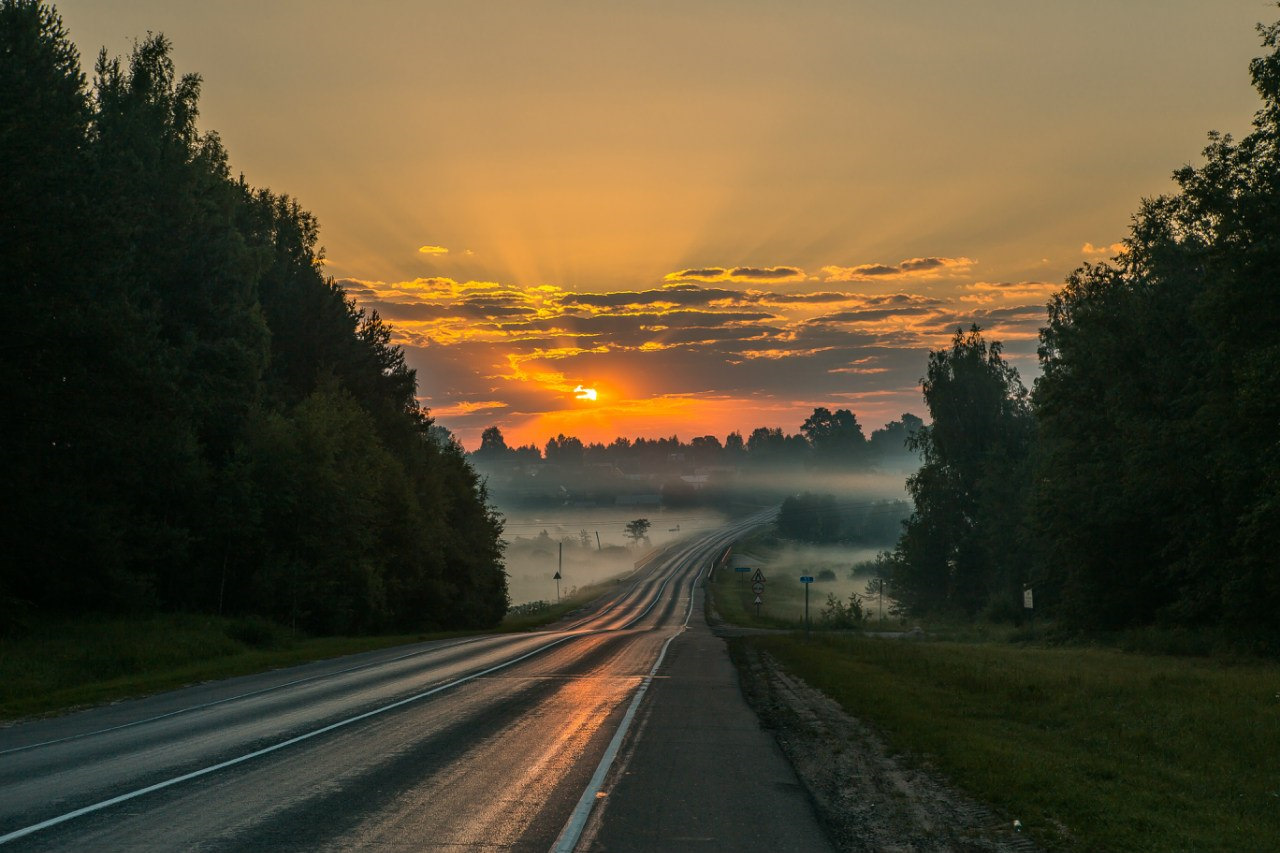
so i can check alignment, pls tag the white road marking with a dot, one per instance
(168, 783)
(251, 693)
(573, 828)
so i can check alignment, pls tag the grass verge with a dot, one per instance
(1091, 749)
(67, 664)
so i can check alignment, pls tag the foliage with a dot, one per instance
(842, 615)
(1159, 402)
(638, 530)
(820, 519)
(196, 418)
(962, 546)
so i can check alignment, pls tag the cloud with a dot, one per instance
(932, 267)
(490, 353)
(433, 250)
(743, 274)
(1004, 291)
(1111, 250)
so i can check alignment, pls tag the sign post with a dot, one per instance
(1028, 603)
(806, 580)
(757, 586)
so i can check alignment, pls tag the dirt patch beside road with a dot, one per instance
(869, 798)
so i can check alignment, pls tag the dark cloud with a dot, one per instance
(688, 295)
(915, 264)
(765, 273)
(872, 314)
(701, 272)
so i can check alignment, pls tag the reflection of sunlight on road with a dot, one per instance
(562, 727)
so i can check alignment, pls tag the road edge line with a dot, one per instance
(572, 831)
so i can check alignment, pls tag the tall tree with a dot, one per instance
(961, 548)
(1160, 398)
(836, 437)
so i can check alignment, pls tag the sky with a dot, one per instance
(688, 218)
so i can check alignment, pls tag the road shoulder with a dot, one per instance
(699, 771)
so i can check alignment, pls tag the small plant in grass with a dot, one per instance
(840, 615)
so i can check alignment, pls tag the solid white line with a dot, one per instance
(251, 693)
(572, 831)
(54, 821)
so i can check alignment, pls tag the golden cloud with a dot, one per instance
(433, 250)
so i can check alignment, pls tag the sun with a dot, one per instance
(588, 394)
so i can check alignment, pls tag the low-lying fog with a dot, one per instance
(596, 546)
(532, 558)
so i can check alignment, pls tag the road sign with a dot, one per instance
(1027, 601)
(758, 577)
(757, 587)
(556, 576)
(759, 600)
(806, 579)
(742, 568)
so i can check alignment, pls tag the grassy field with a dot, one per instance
(1092, 749)
(69, 664)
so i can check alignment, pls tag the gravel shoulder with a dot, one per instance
(869, 798)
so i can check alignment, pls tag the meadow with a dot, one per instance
(1090, 748)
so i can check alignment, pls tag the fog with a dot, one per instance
(532, 558)
(584, 533)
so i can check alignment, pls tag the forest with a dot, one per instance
(1138, 482)
(195, 417)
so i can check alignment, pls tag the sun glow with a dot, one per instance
(588, 394)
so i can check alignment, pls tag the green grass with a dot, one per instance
(67, 664)
(783, 600)
(1091, 749)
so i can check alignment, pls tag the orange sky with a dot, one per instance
(717, 214)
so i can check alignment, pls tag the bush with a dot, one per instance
(838, 615)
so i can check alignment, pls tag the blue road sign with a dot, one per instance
(742, 568)
(806, 579)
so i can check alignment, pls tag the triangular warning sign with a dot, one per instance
(759, 600)
(758, 577)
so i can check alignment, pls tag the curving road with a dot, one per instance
(487, 742)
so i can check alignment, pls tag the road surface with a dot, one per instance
(495, 742)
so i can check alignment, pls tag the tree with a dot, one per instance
(836, 437)
(200, 419)
(1159, 402)
(493, 448)
(638, 530)
(891, 443)
(564, 450)
(962, 547)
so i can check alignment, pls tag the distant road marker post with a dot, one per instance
(806, 580)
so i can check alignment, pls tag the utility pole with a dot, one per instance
(559, 569)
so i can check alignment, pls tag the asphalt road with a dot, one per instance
(495, 742)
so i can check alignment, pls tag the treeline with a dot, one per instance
(827, 439)
(1140, 483)
(825, 520)
(195, 417)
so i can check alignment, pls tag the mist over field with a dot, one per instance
(593, 544)
(536, 538)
